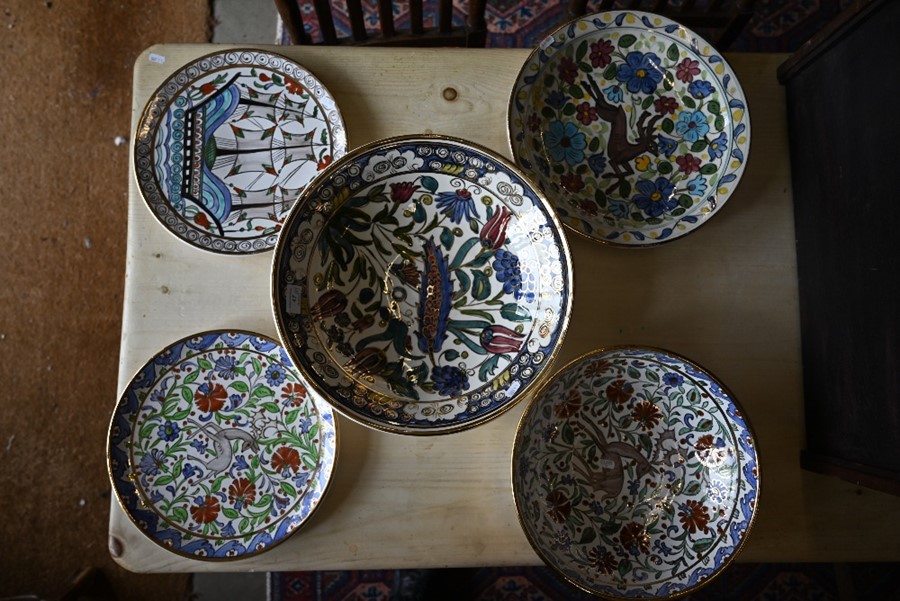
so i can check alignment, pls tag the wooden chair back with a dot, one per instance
(473, 35)
(718, 21)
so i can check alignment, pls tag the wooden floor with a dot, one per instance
(66, 97)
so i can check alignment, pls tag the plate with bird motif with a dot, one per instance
(634, 126)
(422, 285)
(635, 474)
(228, 142)
(217, 449)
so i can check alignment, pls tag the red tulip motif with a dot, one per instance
(493, 235)
(500, 339)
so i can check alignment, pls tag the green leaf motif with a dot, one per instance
(240, 386)
(514, 312)
(588, 536)
(667, 126)
(702, 545)
(664, 167)
(186, 395)
(610, 72)
(594, 144)
(688, 102)
(230, 513)
(627, 40)
(217, 484)
(699, 146)
(447, 238)
(192, 377)
(708, 169)
(262, 391)
(288, 489)
(257, 366)
(582, 51)
(271, 407)
(204, 363)
(719, 123)
(672, 52)
(163, 480)
(714, 107)
(481, 286)
(180, 514)
(633, 373)
(429, 183)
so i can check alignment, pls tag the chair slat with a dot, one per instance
(326, 21)
(386, 17)
(293, 21)
(416, 27)
(445, 16)
(357, 20)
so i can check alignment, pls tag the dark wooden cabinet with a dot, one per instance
(843, 103)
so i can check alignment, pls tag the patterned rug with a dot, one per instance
(740, 582)
(776, 26)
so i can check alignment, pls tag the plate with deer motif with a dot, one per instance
(635, 474)
(422, 285)
(217, 449)
(228, 142)
(634, 126)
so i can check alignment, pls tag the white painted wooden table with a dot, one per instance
(725, 296)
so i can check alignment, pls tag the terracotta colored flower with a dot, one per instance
(704, 443)
(694, 516)
(601, 52)
(264, 77)
(208, 88)
(646, 414)
(558, 506)
(285, 460)
(569, 406)
(326, 160)
(202, 220)
(602, 560)
(635, 538)
(619, 391)
(210, 398)
(568, 70)
(596, 368)
(493, 234)
(665, 105)
(293, 394)
(206, 509)
(588, 207)
(293, 86)
(242, 492)
(572, 182)
(402, 191)
(688, 163)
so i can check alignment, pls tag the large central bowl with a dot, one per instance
(422, 285)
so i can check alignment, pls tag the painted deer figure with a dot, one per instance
(620, 150)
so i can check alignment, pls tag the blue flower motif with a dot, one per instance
(188, 470)
(667, 146)
(700, 88)
(691, 125)
(597, 507)
(565, 143)
(457, 204)
(235, 400)
(614, 93)
(449, 380)
(241, 463)
(655, 198)
(633, 487)
(305, 425)
(158, 396)
(275, 375)
(228, 530)
(597, 163)
(509, 273)
(153, 462)
(618, 208)
(673, 379)
(697, 186)
(718, 146)
(200, 446)
(556, 99)
(640, 72)
(168, 431)
(226, 367)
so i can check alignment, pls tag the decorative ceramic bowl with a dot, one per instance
(422, 285)
(634, 127)
(635, 474)
(227, 143)
(217, 450)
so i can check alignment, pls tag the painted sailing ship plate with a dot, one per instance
(217, 450)
(635, 474)
(227, 144)
(635, 127)
(422, 285)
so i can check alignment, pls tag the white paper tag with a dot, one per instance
(292, 296)
(157, 58)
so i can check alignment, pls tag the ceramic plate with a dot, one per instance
(227, 144)
(217, 450)
(635, 474)
(635, 127)
(422, 285)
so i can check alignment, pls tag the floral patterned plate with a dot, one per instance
(634, 126)
(635, 474)
(227, 144)
(217, 450)
(422, 285)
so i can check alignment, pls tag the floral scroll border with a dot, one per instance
(483, 403)
(736, 102)
(156, 109)
(156, 528)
